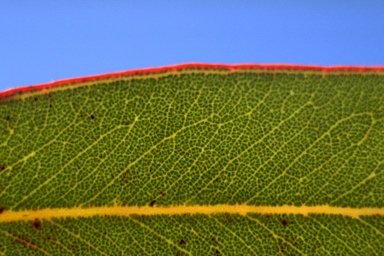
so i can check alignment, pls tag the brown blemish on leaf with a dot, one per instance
(284, 223)
(8, 118)
(152, 203)
(217, 252)
(162, 193)
(36, 224)
(92, 117)
(214, 241)
(182, 241)
(26, 242)
(1, 210)
(2, 168)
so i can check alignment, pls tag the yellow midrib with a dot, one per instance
(8, 216)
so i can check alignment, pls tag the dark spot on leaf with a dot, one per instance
(48, 238)
(162, 193)
(36, 224)
(2, 168)
(48, 95)
(267, 216)
(8, 118)
(217, 252)
(1, 210)
(50, 105)
(101, 156)
(214, 241)
(152, 203)
(92, 117)
(35, 99)
(282, 250)
(284, 223)
(182, 242)
(295, 244)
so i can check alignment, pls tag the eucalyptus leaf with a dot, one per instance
(195, 160)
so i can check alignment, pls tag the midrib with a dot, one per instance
(48, 213)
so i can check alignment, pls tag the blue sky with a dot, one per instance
(47, 41)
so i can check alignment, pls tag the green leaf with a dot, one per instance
(195, 160)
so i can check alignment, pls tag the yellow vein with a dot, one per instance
(49, 213)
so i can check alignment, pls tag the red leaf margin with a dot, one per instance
(231, 67)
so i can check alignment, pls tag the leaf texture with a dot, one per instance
(195, 160)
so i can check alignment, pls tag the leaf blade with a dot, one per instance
(194, 137)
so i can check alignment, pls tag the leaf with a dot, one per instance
(195, 160)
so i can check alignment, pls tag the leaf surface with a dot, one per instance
(195, 160)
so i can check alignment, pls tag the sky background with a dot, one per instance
(52, 40)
